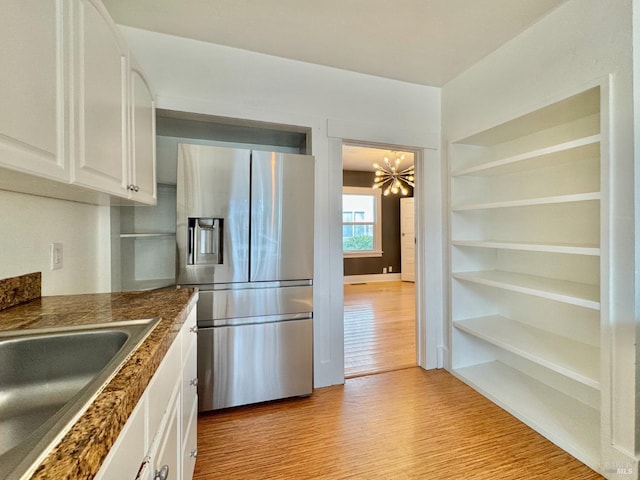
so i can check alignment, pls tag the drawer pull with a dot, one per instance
(162, 474)
(194, 382)
(193, 453)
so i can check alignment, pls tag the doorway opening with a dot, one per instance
(378, 258)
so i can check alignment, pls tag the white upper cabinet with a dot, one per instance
(72, 111)
(101, 70)
(32, 88)
(142, 165)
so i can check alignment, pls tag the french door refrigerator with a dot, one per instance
(245, 239)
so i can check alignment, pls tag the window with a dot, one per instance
(361, 222)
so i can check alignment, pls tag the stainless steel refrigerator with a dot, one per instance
(245, 239)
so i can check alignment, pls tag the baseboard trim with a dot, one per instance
(381, 277)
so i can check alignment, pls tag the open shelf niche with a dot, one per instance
(525, 219)
(148, 243)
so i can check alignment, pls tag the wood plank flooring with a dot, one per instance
(379, 327)
(405, 424)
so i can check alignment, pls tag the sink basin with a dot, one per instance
(49, 377)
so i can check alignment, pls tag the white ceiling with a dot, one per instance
(426, 42)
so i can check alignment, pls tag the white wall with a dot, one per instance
(28, 224)
(193, 76)
(579, 43)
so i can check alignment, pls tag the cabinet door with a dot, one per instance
(101, 101)
(32, 96)
(189, 386)
(190, 444)
(189, 418)
(143, 138)
(166, 454)
(127, 454)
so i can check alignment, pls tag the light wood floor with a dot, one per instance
(379, 327)
(405, 424)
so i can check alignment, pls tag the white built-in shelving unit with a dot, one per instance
(526, 256)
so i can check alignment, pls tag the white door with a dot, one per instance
(407, 241)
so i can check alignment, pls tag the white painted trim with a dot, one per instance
(430, 270)
(372, 278)
(429, 206)
(372, 133)
(333, 258)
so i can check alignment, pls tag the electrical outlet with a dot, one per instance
(384, 269)
(56, 258)
(390, 268)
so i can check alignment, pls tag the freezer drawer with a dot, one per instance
(246, 364)
(215, 307)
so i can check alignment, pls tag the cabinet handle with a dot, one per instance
(194, 329)
(136, 188)
(193, 453)
(194, 382)
(162, 474)
(130, 187)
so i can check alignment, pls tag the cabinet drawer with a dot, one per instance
(189, 334)
(190, 445)
(162, 385)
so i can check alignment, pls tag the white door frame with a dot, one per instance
(429, 249)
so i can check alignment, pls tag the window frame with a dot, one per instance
(377, 221)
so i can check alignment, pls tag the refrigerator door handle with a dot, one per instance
(190, 247)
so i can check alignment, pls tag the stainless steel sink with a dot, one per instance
(49, 377)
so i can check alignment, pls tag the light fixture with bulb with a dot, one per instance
(391, 178)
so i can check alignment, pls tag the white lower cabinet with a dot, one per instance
(158, 442)
(189, 402)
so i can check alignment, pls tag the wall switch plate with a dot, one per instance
(56, 258)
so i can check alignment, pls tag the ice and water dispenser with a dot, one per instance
(205, 241)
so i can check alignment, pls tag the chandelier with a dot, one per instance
(391, 178)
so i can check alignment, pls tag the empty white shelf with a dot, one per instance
(146, 235)
(576, 360)
(568, 151)
(593, 250)
(574, 293)
(526, 202)
(570, 424)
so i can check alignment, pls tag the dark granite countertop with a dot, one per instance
(83, 449)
